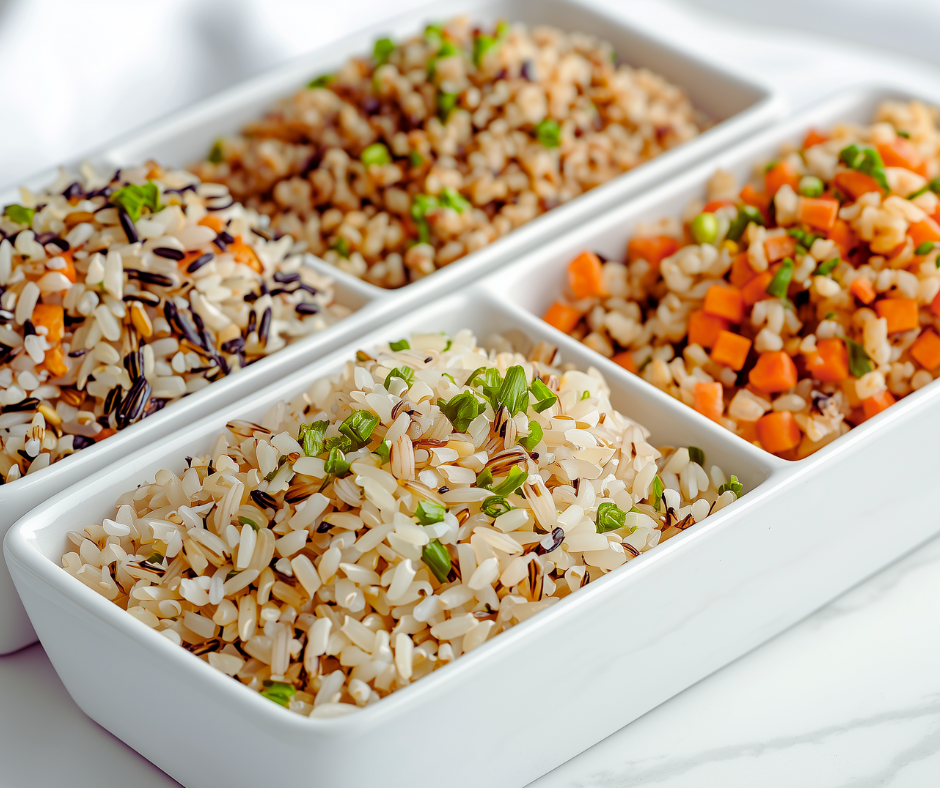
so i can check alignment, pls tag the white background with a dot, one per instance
(851, 697)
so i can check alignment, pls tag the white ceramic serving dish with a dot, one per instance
(537, 695)
(740, 105)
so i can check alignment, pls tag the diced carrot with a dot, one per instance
(781, 174)
(586, 276)
(731, 350)
(756, 289)
(713, 205)
(814, 137)
(855, 183)
(773, 372)
(52, 316)
(725, 302)
(902, 153)
(107, 432)
(935, 306)
(562, 316)
(244, 254)
(625, 359)
(817, 212)
(747, 430)
(69, 270)
(863, 290)
(872, 406)
(709, 399)
(750, 196)
(779, 246)
(830, 362)
(925, 230)
(843, 235)
(704, 328)
(741, 271)
(652, 248)
(55, 362)
(778, 432)
(213, 222)
(926, 350)
(901, 313)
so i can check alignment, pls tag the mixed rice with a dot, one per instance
(399, 164)
(119, 294)
(802, 305)
(392, 518)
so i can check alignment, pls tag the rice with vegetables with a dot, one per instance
(399, 164)
(121, 294)
(392, 518)
(795, 308)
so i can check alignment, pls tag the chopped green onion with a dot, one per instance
(697, 455)
(770, 165)
(407, 374)
(375, 155)
(517, 477)
(826, 268)
(279, 692)
(485, 479)
(734, 485)
(585, 395)
(336, 464)
(415, 159)
(445, 104)
(481, 45)
(781, 281)
(811, 186)
(447, 347)
(155, 558)
(704, 228)
(437, 558)
(19, 214)
(132, 198)
(530, 441)
(401, 344)
(461, 410)
(429, 512)
(829, 316)
(382, 50)
(311, 437)
(451, 198)
(610, 517)
(867, 161)
(246, 521)
(925, 248)
(341, 247)
(495, 505)
(746, 215)
(358, 427)
(514, 393)
(905, 134)
(434, 35)
(548, 133)
(382, 451)
(544, 396)
(215, 153)
(658, 489)
(321, 81)
(930, 186)
(859, 361)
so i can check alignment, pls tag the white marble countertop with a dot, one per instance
(849, 697)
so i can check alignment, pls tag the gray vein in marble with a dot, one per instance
(634, 773)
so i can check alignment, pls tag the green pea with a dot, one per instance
(705, 228)
(811, 186)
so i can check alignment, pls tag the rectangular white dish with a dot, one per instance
(552, 686)
(741, 107)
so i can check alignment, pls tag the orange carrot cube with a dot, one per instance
(562, 316)
(704, 328)
(901, 313)
(778, 432)
(926, 350)
(730, 350)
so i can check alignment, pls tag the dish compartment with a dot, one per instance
(630, 640)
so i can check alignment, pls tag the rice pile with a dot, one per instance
(792, 310)
(401, 163)
(392, 518)
(121, 294)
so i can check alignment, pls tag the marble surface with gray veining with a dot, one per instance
(849, 697)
